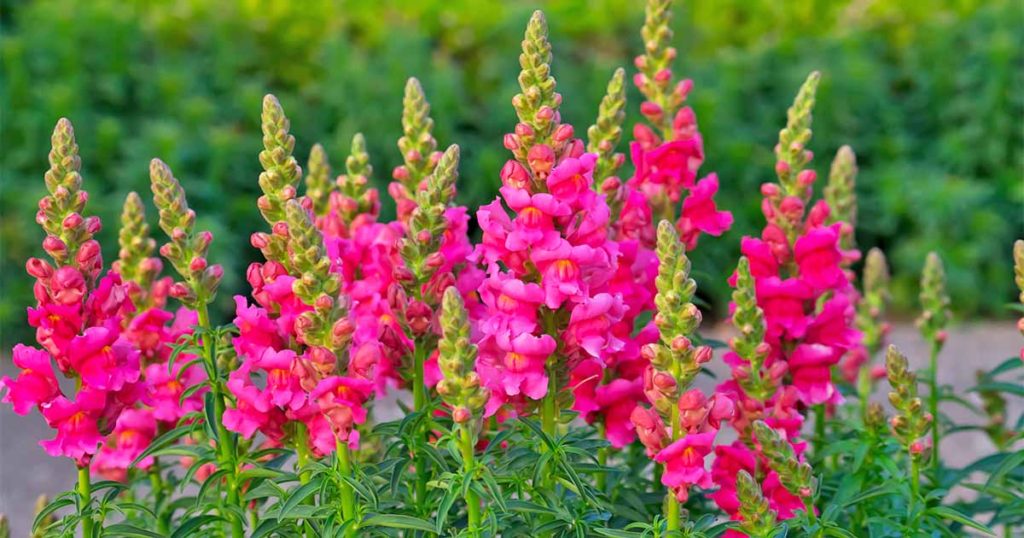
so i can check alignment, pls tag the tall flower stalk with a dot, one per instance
(187, 251)
(935, 316)
(911, 423)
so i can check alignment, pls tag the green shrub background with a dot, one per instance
(930, 95)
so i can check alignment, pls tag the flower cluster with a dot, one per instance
(153, 330)
(668, 152)
(549, 266)
(674, 361)
(78, 320)
(911, 423)
(794, 306)
(294, 340)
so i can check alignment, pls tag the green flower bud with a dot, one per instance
(677, 317)
(748, 318)
(1018, 274)
(840, 193)
(318, 180)
(135, 263)
(427, 223)
(604, 135)
(757, 519)
(187, 248)
(911, 423)
(791, 153)
(60, 212)
(417, 143)
(795, 475)
(460, 387)
(874, 301)
(280, 177)
(935, 313)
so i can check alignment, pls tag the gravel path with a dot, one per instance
(26, 471)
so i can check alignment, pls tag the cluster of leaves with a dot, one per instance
(939, 140)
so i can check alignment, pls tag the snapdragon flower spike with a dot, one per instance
(841, 196)
(551, 266)
(279, 179)
(69, 235)
(911, 423)
(78, 322)
(187, 248)
(319, 184)
(418, 147)
(539, 139)
(605, 133)
(675, 360)
(870, 320)
(460, 386)
(795, 474)
(136, 264)
(667, 154)
(791, 152)
(935, 313)
(757, 519)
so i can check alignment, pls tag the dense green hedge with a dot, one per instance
(930, 94)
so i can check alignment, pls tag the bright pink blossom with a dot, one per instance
(35, 385)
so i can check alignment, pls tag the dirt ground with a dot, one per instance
(26, 471)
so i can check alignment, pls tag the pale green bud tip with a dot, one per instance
(896, 367)
(452, 304)
(668, 238)
(1018, 265)
(414, 92)
(876, 271)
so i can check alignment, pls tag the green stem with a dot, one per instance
(811, 516)
(671, 503)
(549, 405)
(419, 402)
(85, 501)
(933, 406)
(864, 390)
(348, 496)
(469, 466)
(225, 441)
(915, 489)
(819, 430)
(157, 483)
(302, 452)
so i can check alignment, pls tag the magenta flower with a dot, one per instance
(36, 384)
(700, 214)
(784, 303)
(515, 365)
(134, 431)
(590, 326)
(103, 359)
(166, 388)
(818, 256)
(570, 181)
(340, 401)
(80, 425)
(684, 463)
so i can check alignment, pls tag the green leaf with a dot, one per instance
(186, 529)
(1000, 386)
(398, 521)
(55, 505)
(163, 441)
(130, 531)
(946, 512)
(299, 495)
(612, 533)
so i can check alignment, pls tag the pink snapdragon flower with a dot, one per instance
(135, 430)
(36, 383)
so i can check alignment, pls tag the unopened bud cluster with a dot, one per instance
(791, 153)
(664, 98)
(69, 234)
(757, 519)
(874, 300)
(935, 313)
(460, 388)
(841, 196)
(911, 422)
(540, 139)
(420, 248)
(794, 474)
(604, 135)
(675, 360)
(187, 248)
(418, 147)
(135, 263)
(757, 381)
(279, 180)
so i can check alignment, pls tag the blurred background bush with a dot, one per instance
(930, 94)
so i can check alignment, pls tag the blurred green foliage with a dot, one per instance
(930, 94)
